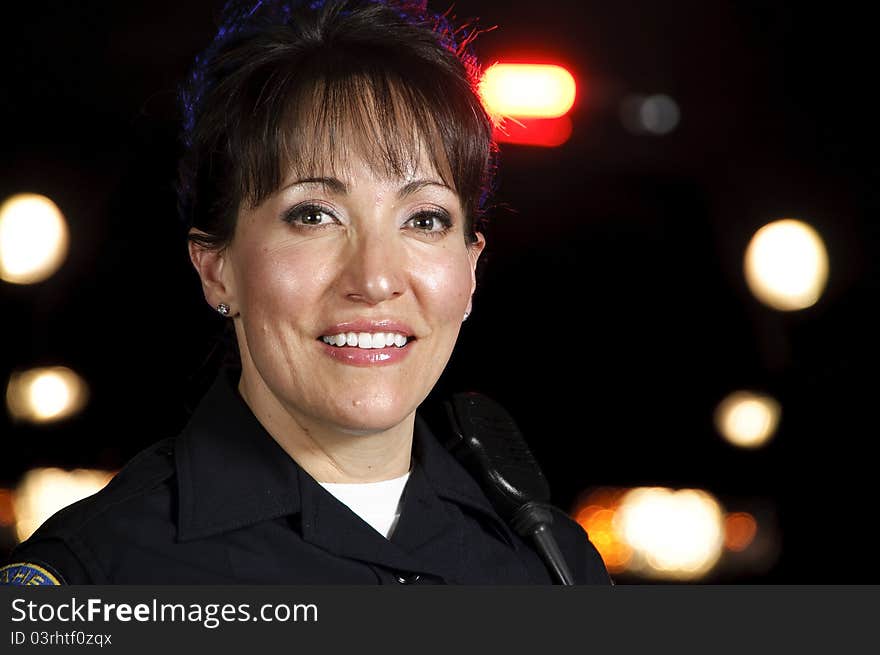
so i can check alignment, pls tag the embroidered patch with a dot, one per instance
(27, 574)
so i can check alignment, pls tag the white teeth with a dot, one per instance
(366, 340)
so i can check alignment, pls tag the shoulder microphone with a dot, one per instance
(488, 443)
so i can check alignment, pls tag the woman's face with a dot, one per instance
(357, 260)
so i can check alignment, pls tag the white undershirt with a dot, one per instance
(377, 503)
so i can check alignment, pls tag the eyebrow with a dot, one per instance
(416, 185)
(335, 185)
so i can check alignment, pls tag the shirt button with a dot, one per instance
(408, 579)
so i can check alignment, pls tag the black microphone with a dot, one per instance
(488, 443)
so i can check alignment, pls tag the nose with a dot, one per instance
(374, 270)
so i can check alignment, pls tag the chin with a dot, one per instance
(372, 414)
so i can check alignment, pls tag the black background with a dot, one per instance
(612, 314)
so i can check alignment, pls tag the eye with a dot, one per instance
(434, 223)
(309, 216)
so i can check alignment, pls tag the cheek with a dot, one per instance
(282, 282)
(445, 283)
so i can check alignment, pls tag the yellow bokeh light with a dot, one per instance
(747, 419)
(661, 533)
(40, 395)
(527, 90)
(786, 265)
(673, 534)
(33, 238)
(44, 491)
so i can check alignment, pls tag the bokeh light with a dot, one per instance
(740, 529)
(786, 265)
(44, 491)
(747, 419)
(655, 532)
(7, 512)
(597, 516)
(543, 132)
(527, 90)
(42, 395)
(674, 534)
(656, 114)
(33, 238)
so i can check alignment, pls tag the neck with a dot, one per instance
(329, 453)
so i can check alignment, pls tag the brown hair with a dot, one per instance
(291, 86)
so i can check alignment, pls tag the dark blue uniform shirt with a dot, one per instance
(223, 503)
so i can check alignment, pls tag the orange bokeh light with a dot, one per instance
(596, 515)
(7, 510)
(740, 529)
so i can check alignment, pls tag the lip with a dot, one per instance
(367, 357)
(368, 325)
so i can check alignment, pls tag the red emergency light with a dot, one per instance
(547, 132)
(531, 101)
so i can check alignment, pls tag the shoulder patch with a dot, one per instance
(26, 574)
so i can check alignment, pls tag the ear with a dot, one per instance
(475, 249)
(212, 266)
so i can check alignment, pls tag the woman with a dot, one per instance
(337, 164)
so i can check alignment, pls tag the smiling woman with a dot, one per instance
(337, 165)
(361, 257)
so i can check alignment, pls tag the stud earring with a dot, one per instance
(223, 308)
(466, 314)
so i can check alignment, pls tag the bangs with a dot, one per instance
(384, 125)
(394, 124)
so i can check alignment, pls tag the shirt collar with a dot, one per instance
(446, 476)
(231, 473)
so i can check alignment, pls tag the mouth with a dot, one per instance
(367, 340)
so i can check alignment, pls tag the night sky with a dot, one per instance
(612, 314)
